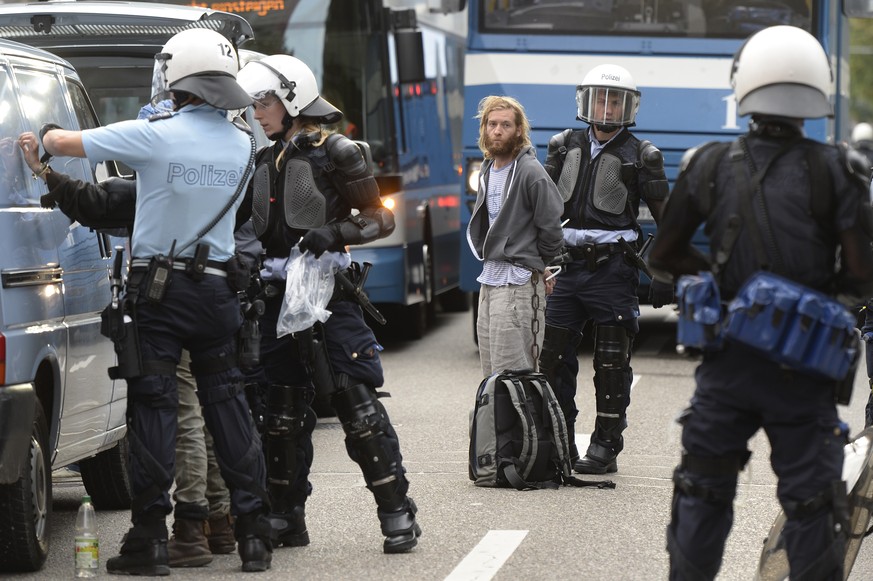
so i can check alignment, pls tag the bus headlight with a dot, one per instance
(473, 167)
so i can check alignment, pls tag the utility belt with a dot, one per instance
(782, 320)
(187, 265)
(595, 255)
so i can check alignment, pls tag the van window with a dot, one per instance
(44, 101)
(81, 106)
(15, 182)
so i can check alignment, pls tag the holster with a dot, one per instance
(119, 325)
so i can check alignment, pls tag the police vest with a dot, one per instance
(297, 197)
(738, 220)
(606, 194)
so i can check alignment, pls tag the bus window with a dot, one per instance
(693, 18)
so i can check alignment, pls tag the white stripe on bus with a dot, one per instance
(553, 69)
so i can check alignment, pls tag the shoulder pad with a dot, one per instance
(855, 162)
(345, 154)
(559, 139)
(241, 124)
(161, 115)
(691, 154)
(687, 157)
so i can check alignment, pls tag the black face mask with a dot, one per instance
(607, 128)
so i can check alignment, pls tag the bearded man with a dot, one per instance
(515, 230)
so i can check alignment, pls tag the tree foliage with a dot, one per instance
(861, 69)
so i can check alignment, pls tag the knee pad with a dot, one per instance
(288, 410)
(612, 370)
(287, 438)
(373, 444)
(558, 343)
(693, 469)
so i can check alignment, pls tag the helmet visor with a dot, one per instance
(160, 84)
(608, 106)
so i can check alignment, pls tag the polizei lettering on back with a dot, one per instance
(204, 175)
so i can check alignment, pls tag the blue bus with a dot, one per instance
(679, 52)
(395, 68)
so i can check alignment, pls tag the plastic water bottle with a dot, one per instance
(87, 545)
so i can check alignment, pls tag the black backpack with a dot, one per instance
(518, 435)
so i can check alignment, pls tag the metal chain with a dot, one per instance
(535, 322)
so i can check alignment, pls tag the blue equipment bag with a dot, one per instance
(699, 324)
(794, 325)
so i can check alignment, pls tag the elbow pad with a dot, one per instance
(370, 224)
(857, 165)
(652, 159)
(656, 190)
(357, 184)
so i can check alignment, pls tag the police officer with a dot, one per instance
(602, 173)
(772, 200)
(862, 140)
(182, 244)
(303, 192)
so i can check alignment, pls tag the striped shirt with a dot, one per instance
(499, 272)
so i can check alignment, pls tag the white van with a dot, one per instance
(57, 403)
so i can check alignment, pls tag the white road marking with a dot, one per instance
(486, 558)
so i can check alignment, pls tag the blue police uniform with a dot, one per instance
(340, 357)
(740, 390)
(600, 284)
(181, 188)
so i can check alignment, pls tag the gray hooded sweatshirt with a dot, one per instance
(527, 230)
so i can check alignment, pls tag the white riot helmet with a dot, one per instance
(608, 85)
(291, 81)
(782, 70)
(201, 62)
(862, 133)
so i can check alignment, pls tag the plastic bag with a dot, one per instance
(308, 288)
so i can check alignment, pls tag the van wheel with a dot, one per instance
(26, 505)
(106, 477)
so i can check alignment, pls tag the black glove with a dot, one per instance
(661, 293)
(318, 240)
(48, 201)
(46, 127)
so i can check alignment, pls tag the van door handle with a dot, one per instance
(43, 275)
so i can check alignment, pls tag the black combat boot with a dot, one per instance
(399, 527)
(254, 541)
(598, 459)
(143, 549)
(290, 528)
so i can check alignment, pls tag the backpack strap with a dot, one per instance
(822, 189)
(561, 438)
(528, 454)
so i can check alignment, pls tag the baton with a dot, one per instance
(637, 257)
(357, 292)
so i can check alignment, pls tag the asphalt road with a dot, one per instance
(473, 533)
